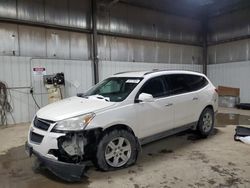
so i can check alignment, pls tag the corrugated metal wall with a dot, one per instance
(126, 19)
(228, 63)
(17, 72)
(72, 13)
(120, 18)
(231, 25)
(33, 41)
(108, 68)
(229, 52)
(235, 74)
(133, 50)
(14, 72)
(21, 42)
(119, 54)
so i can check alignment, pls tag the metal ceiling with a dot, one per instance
(191, 8)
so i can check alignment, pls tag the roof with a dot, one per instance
(151, 73)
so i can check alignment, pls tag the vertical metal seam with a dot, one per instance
(69, 35)
(204, 35)
(18, 41)
(16, 9)
(247, 58)
(94, 41)
(44, 11)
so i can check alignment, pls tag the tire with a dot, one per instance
(112, 155)
(206, 122)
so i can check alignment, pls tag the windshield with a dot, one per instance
(114, 89)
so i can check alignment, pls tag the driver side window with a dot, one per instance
(155, 87)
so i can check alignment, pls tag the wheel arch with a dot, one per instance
(208, 106)
(119, 126)
(123, 127)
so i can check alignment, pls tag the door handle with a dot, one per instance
(169, 104)
(195, 98)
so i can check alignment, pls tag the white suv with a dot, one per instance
(110, 122)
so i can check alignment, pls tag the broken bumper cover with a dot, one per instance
(66, 171)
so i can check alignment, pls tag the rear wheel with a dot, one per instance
(117, 149)
(206, 122)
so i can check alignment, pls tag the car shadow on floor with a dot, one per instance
(174, 143)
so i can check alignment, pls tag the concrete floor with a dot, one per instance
(182, 160)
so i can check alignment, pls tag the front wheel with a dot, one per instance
(206, 122)
(117, 149)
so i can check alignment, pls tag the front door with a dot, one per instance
(157, 116)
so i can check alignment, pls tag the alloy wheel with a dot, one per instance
(118, 152)
(207, 122)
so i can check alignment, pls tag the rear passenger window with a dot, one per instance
(177, 84)
(196, 82)
(182, 83)
(155, 87)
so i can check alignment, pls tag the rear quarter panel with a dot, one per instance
(208, 96)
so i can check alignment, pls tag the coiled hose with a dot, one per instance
(5, 106)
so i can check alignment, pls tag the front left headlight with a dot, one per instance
(74, 124)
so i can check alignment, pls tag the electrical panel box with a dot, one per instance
(54, 84)
(54, 79)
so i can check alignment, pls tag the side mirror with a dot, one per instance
(145, 97)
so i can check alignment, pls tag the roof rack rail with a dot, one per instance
(154, 70)
(160, 70)
(124, 72)
(121, 72)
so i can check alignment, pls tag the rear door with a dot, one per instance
(185, 100)
(197, 84)
(157, 116)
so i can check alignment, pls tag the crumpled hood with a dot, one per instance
(71, 107)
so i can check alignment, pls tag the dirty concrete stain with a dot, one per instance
(211, 181)
(197, 155)
(223, 120)
(232, 176)
(16, 170)
(231, 164)
(164, 151)
(163, 167)
(131, 171)
(199, 184)
(223, 171)
(136, 186)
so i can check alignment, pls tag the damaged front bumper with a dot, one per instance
(65, 153)
(67, 171)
